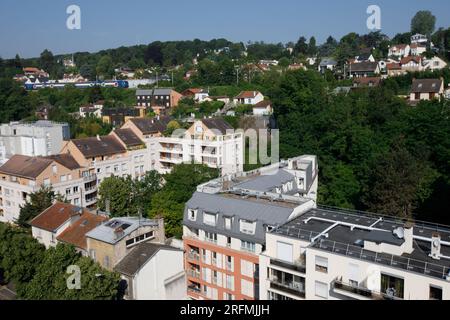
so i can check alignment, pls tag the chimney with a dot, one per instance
(408, 236)
(435, 246)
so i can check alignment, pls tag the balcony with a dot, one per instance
(359, 292)
(90, 178)
(299, 267)
(194, 289)
(90, 190)
(90, 202)
(294, 288)
(193, 256)
(193, 273)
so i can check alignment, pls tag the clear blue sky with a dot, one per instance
(30, 26)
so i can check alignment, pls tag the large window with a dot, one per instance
(321, 290)
(247, 227)
(435, 293)
(392, 286)
(285, 252)
(209, 219)
(248, 246)
(321, 264)
(211, 237)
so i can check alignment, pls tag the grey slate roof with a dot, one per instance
(151, 92)
(263, 213)
(149, 126)
(363, 67)
(426, 85)
(267, 183)
(139, 256)
(217, 124)
(106, 231)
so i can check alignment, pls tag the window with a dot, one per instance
(285, 252)
(247, 288)
(247, 268)
(46, 182)
(392, 286)
(209, 219)
(63, 178)
(68, 191)
(321, 290)
(106, 261)
(75, 189)
(435, 293)
(228, 223)
(54, 169)
(248, 246)
(211, 237)
(192, 214)
(76, 201)
(228, 296)
(228, 241)
(354, 274)
(321, 264)
(247, 227)
(92, 253)
(230, 282)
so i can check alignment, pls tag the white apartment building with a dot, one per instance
(40, 138)
(212, 142)
(345, 255)
(23, 175)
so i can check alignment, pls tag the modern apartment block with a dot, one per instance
(212, 142)
(159, 99)
(339, 255)
(40, 138)
(225, 226)
(23, 175)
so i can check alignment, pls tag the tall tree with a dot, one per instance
(117, 193)
(424, 22)
(312, 46)
(47, 61)
(301, 47)
(38, 202)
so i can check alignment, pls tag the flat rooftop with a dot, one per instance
(348, 238)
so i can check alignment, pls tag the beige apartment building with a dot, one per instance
(23, 175)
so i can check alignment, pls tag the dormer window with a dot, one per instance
(227, 223)
(209, 219)
(247, 227)
(192, 214)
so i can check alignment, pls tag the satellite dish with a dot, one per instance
(399, 232)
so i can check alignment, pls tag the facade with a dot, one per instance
(153, 271)
(40, 138)
(434, 64)
(160, 100)
(23, 175)
(366, 82)
(111, 241)
(399, 51)
(117, 117)
(93, 110)
(418, 49)
(327, 64)
(226, 220)
(199, 95)
(426, 89)
(419, 39)
(394, 70)
(412, 64)
(249, 97)
(363, 69)
(263, 108)
(332, 254)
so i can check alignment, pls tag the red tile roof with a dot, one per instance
(263, 104)
(393, 66)
(247, 95)
(76, 233)
(407, 60)
(54, 217)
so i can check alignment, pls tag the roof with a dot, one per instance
(54, 217)
(153, 125)
(267, 183)
(393, 66)
(25, 166)
(408, 59)
(157, 91)
(139, 256)
(193, 91)
(364, 56)
(65, 160)
(400, 46)
(247, 95)
(426, 85)
(99, 146)
(262, 211)
(128, 137)
(367, 81)
(217, 124)
(76, 233)
(107, 231)
(363, 67)
(263, 104)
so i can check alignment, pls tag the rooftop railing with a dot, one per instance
(399, 262)
(362, 291)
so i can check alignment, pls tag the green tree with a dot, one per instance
(105, 67)
(118, 193)
(37, 203)
(312, 46)
(301, 47)
(424, 22)
(284, 63)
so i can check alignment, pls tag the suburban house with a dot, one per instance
(199, 95)
(363, 69)
(111, 241)
(399, 51)
(418, 49)
(91, 110)
(23, 175)
(159, 99)
(412, 64)
(296, 66)
(225, 223)
(153, 271)
(419, 39)
(66, 223)
(394, 69)
(337, 254)
(327, 64)
(366, 82)
(249, 97)
(426, 89)
(364, 57)
(434, 63)
(263, 108)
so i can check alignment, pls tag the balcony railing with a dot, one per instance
(194, 290)
(90, 178)
(194, 256)
(193, 274)
(361, 291)
(294, 288)
(291, 266)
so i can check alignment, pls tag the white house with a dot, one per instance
(419, 39)
(399, 50)
(263, 108)
(153, 272)
(249, 97)
(327, 64)
(434, 63)
(418, 49)
(412, 63)
(92, 109)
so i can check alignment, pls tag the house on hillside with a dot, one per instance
(363, 69)
(249, 97)
(399, 51)
(263, 108)
(327, 64)
(426, 89)
(412, 64)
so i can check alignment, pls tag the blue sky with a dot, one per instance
(30, 26)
